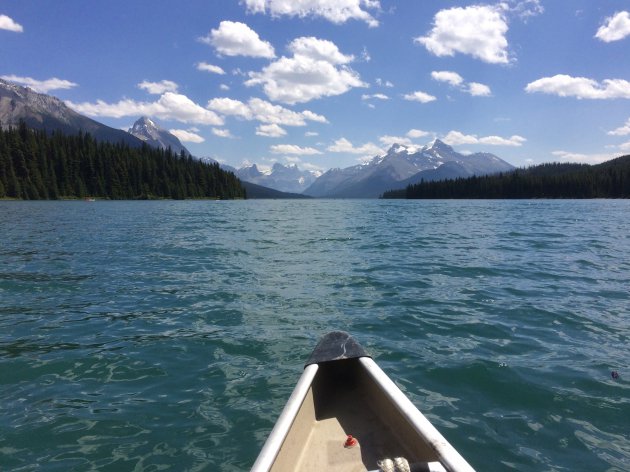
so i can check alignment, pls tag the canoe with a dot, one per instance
(345, 414)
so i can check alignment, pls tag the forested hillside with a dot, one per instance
(35, 165)
(607, 180)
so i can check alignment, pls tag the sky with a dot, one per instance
(332, 83)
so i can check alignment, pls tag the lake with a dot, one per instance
(168, 335)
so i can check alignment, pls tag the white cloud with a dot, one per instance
(477, 30)
(263, 111)
(624, 147)
(187, 136)
(580, 87)
(7, 23)
(222, 133)
(621, 131)
(452, 78)
(318, 50)
(317, 69)
(224, 87)
(378, 96)
(293, 150)
(615, 27)
(389, 141)
(455, 80)
(479, 90)
(270, 131)
(204, 66)
(524, 9)
(417, 133)
(158, 88)
(170, 106)
(384, 83)
(583, 158)
(418, 96)
(41, 86)
(309, 134)
(335, 11)
(345, 146)
(230, 107)
(455, 138)
(233, 38)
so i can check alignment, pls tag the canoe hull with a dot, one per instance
(355, 397)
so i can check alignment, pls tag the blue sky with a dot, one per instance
(330, 83)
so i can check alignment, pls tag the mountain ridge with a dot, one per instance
(148, 131)
(400, 165)
(45, 112)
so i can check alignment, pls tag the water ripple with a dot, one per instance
(168, 335)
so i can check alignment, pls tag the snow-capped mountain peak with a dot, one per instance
(148, 131)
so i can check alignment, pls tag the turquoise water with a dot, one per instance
(154, 336)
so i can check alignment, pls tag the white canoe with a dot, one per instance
(343, 392)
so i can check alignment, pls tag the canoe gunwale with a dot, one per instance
(448, 455)
(278, 434)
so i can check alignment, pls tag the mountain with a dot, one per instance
(255, 191)
(402, 165)
(283, 178)
(149, 132)
(610, 179)
(45, 112)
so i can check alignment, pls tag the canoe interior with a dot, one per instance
(342, 400)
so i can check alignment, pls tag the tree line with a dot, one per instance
(35, 165)
(610, 179)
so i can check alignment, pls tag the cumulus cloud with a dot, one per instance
(378, 96)
(7, 23)
(335, 11)
(293, 149)
(316, 69)
(417, 133)
(455, 138)
(580, 87)
(389, 141)
(222, 133)
(158, 88)
(621, 131)
(479, 90)
(476, 30)
(524, 9)
(263, 111)
(230, 107)
(41, 86)
(270, 131)
(615, 27)
(204, 66)
(418, 96)
(233, 38)
(625, 147)
(455, 80)
(187, 136)
(170, 106)
(319, 50)
(452, 78)
(384, 83)
(583, 158)
(345, 146)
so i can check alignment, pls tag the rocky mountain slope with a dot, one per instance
(148, 131)
(283, 178)
(402, 165)
(42, 111)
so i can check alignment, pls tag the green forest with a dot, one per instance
(35, 165)
(610, 179)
